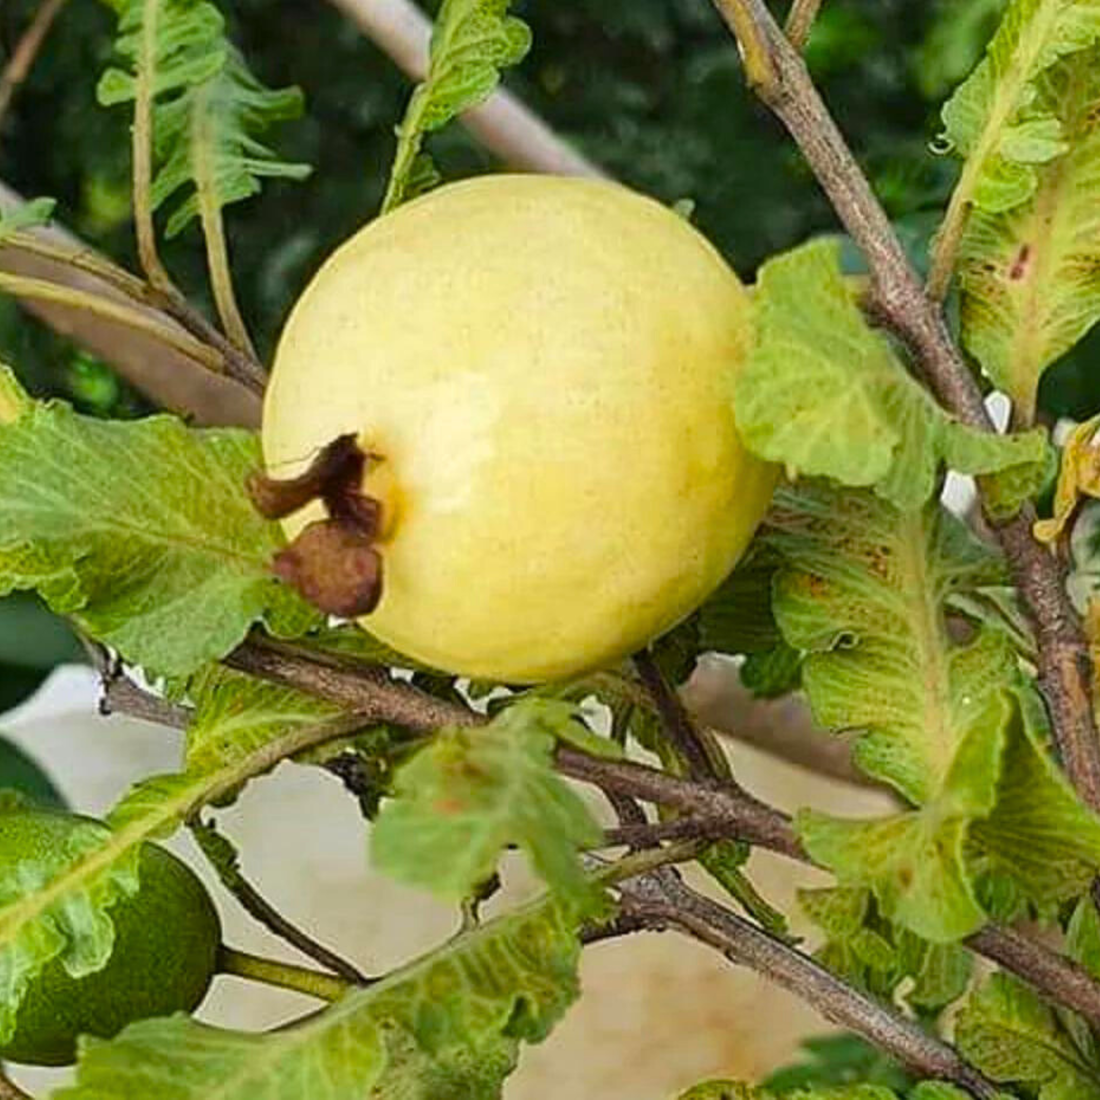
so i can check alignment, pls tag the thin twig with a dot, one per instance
(675, 720)
(779, 75)
(171, 380)
(300, 979)
(26, 50)
(503, 124)
(671, 904)
(112, 310)
(800, 22)
(260, 909)
(240, 365)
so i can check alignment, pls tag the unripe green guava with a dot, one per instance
(547, 368)
(165, 952)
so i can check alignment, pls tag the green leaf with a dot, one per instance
(1014, 1038)
(449, 1025)
(722, 1090)
(826, 395)
(236, 714)
(773, 673)
(207, 107)
(206, 138)
(14, 401)
(832, 1060)
(997, 119)
(738, 618)
(863, 592)
(1040, 835)
(20, 773)
(472, 42)
(472, 792)
(1030, 276)
(29, 215)
(724, 862)
(141, 530)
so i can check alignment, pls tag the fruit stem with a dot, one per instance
(253, 968)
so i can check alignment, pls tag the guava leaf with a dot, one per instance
(206, 138)
(61, 908)
(997, 120)
(1040, 836)
(204, 106)
(1015, 1039)
(29, 215)
(235, 714)
(1083, 582)
(1030, 276)
(865, 594)
(448, 1025)
(141, 530)
(826, 395)
(463, 799)
(473, 40)
(738, 618)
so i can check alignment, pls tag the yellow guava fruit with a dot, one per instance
(547, 369)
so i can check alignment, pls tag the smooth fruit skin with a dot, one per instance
(547, 366)
(165, 953)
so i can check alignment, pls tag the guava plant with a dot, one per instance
(518, 444)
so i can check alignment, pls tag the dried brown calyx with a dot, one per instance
(333, 562)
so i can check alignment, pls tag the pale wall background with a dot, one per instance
(658, 1013)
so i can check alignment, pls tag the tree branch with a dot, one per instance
(668, 903)
(503, 124)
(780, 78)
(26, 50)
(167, 377)
(9, 1090)
(367, 689)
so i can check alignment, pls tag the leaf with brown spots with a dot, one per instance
(1030, 275)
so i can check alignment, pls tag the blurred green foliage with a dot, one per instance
(651, 89)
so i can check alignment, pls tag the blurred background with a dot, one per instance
(650, 90)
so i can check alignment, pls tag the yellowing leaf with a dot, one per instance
(1030, 276)
(1079, 476)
